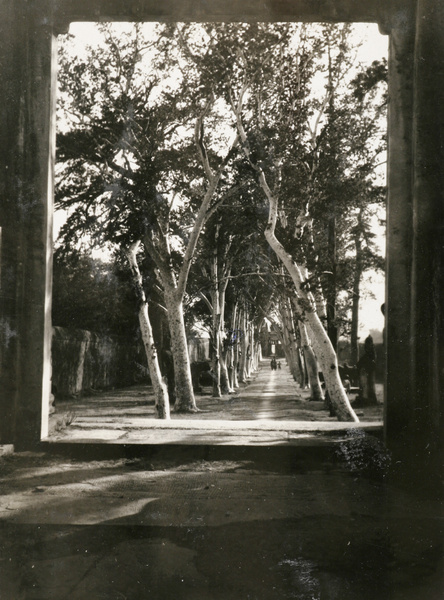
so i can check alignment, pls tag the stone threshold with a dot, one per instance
(208, 433)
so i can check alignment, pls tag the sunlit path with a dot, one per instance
(269, 409)
(273, 394)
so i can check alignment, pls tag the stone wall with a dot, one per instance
(83, 361)
(198, 349)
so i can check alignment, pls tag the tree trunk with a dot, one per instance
(160, 389)
(289, 335)
(325, 352)
(250, 362)
(185, 401)
(304, 381)
(354, 339)
(234, 348)
(235, 371)
(256, 354)
(215, 317)
(243, 348)
(312, 366)
(330, 296)
(225, 383)
(224, 357)
(249, 349)
(215, 364)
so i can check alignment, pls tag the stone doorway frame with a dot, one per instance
(415, 252)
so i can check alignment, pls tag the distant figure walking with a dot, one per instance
(273, 364)
(279, 365)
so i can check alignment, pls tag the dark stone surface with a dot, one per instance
(415, 299)
(211, 530)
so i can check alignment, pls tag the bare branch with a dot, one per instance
(207, 302)
(198, 137)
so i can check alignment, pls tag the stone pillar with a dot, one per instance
(415, 236)
(427, 297)
(27, 88)
(398, 404)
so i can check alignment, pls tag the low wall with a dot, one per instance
(198, 349)
(84, 361)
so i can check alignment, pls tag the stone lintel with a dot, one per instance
(335, 11)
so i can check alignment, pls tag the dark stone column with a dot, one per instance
(415, 239)
(427, 298)
(27, 62)
(398, 404)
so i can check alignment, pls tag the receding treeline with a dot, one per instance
(231, 169)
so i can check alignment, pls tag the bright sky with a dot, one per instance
(374, 46)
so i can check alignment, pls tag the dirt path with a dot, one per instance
(269, 401)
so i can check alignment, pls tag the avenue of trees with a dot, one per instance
(231, 172)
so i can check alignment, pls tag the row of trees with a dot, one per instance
(233, 167)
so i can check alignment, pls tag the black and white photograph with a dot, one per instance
(221, 299)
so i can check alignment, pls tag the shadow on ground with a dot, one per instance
(210, 530)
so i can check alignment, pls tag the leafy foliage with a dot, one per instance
(93, 295)
(128, 166)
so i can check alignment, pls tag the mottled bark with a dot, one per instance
(160, 389)
(289, 336)
(325, 352)
(225, 384)
(185, 401)
(312, 366)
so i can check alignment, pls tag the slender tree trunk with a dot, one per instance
(354, 339)
(312, 366)
(215, 364)
(332, 328)
(185, 401)
(225, 383)
(291, 352)
(243, 348)
(160, 389)
(235, 382)
(250, 349)
(215, 325)
(215, 358)
(234, 348)
(256, 354)
(305, 382)
(250, 367)
(290, 338)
